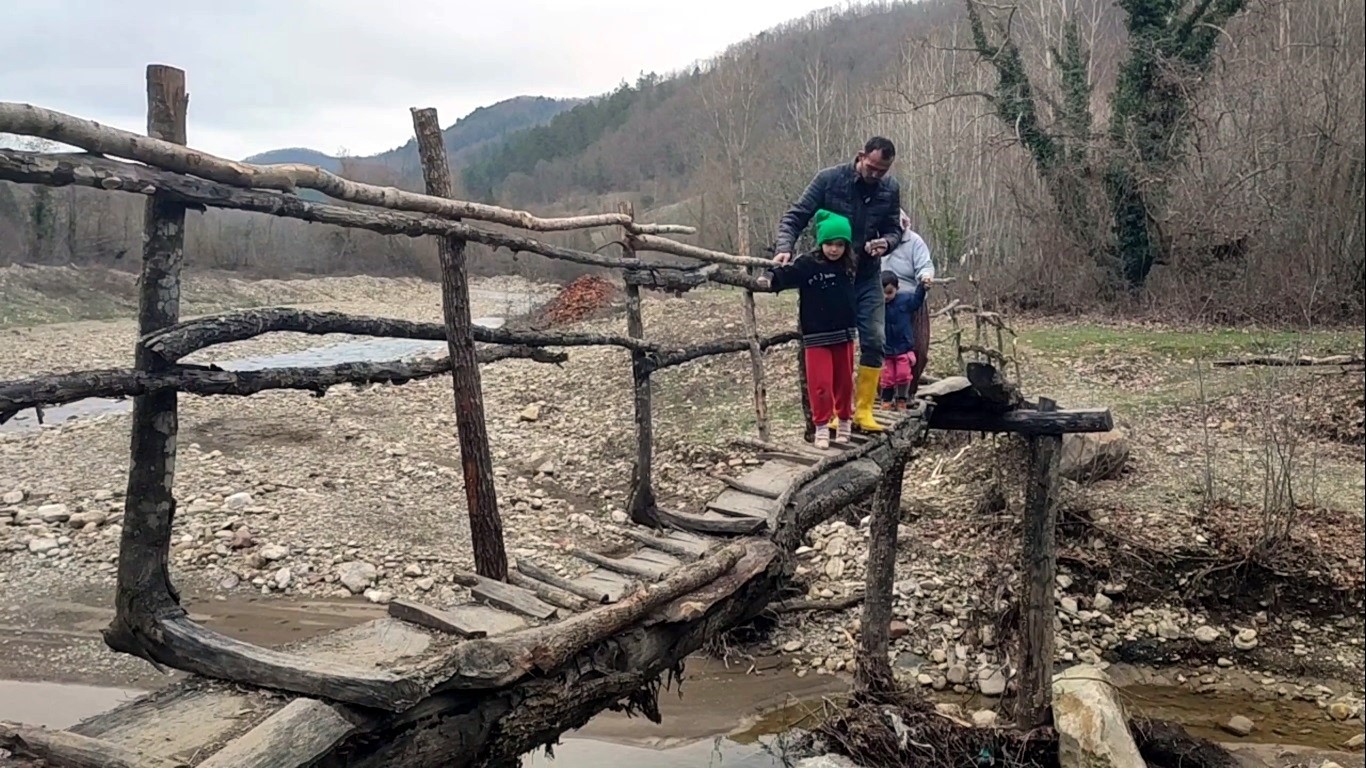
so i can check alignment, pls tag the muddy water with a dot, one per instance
(361, 350)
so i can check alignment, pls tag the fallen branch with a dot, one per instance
(29, 120)
(177, 341)
(817, 606)
(68, 750)
(1286, 360)
(114, 383)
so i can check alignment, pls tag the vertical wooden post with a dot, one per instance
(641, 505)
(1040, 566)
(486, 527)
(874, 672)
(756, 354)
(144, 591)
(809, 430)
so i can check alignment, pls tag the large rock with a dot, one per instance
(1093, 732)
(1088, 458)
(356, 576)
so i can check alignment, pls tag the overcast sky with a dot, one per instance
(332, 74)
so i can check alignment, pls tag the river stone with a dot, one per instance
(1102, 603)
(1088, 458)
(273, 552)
(958, 674)
(283, 577)
(356, 575)
(237, 501)
(54, 513)
(85, 519)
(1245, 640)
(378, 596)
(991, 681)
(1239, 726)
(45, 544)
(1206, 634)
(531, 413)
(984, 718)
(12, 497)
(1093, 732)
(826, 761)
(1356, 741)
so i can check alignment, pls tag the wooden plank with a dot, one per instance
(300, 733)
(501, 595)
(737, 504)
(800, 458)
(689, 551)
(547, 592)
(69, 750)
(467, 621)
(547, 576)
(773, 477)
(709, 522)
(613, 586)
(626, 566)
(743, 487)
(1039, 551)
(700, 545)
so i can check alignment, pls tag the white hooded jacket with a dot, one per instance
(910, 260)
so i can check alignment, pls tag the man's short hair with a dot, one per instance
(880, 144)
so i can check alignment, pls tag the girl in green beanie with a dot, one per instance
(827, 318)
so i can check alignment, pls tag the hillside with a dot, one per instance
(479, 128)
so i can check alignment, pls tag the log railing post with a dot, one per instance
(756, 354)
(1040, 566)
(486, 526)
(874, 671)
(144, 593)
(641, 505)
(809, 430)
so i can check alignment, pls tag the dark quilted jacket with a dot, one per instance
(874, 211)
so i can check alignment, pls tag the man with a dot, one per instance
(864, 193)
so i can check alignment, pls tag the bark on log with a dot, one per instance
(1286, 360)
(645, 242)
(173, 343)
(112, 175)
(756, 352)
(725, 346)
(114, 383)
(486, 526)
(547, 592)
(874, 672)
(298, 734)
(167, 153)
(1023, 421)
(1040, 553)
(63, 749)
(144, 591)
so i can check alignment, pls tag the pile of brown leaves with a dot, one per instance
(585, 297)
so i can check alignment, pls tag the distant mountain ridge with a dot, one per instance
(483, 127)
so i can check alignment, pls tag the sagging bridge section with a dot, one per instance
(532, 654)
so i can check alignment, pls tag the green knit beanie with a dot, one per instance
(832, 226)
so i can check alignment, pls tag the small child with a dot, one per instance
(899, 359)
(827, 320)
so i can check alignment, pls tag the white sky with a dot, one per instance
(333, 74)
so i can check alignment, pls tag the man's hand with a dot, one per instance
(927, 280)
(875, 248)
(764, 281)
(782, 259)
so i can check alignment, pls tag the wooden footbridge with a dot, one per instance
(532, 653)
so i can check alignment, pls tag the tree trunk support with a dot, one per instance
(1040, 551)
(874, 672)
(641, 505)
(756, 352)
(144, 593)
(486, 527)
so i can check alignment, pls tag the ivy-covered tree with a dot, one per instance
(1170, 48)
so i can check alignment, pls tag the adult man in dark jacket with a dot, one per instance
(864, 193)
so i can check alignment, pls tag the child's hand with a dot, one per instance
(765, 282)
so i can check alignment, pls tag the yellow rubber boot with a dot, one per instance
(865, 392)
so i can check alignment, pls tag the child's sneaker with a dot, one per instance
(845, 428)
(822, 439)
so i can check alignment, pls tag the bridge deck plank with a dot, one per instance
(614, 585)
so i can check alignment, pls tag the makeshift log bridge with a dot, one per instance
(532, 654)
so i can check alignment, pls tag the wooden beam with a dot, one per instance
(756, 352)
(143, 588)
(545, 575)
(63, 749)
(58, 388)
(659, 542)
(709, 522)
(641, 503)
(166, 152)
(1040, 553)
(721, 347)
(622, 566)
(1023, 421)
(505, 596)
(486, 526)
(298, 734)
(467, 621)
(645, 242)
(874, 671)
(547, 592)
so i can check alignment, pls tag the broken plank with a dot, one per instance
(300, 733)
(547, 592)
(544, 574)
(661, 543)
(709, 522)
(501, 595)
(624, 566)
(467, 621)
(655, 558)
(738, 504)
(66, 749)
(701, 545)
(772, 478)
(743, 487)
(613, 585)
